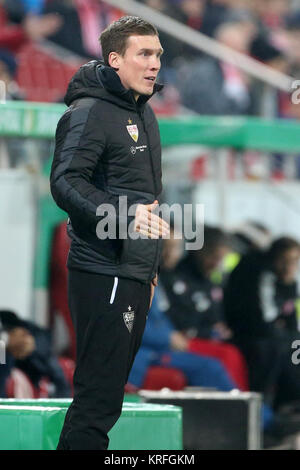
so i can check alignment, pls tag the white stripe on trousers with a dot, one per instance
(114, 289)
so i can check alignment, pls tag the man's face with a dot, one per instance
(287, 265)
(139, 67)
(210, 260)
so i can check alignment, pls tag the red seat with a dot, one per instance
(164, 377)
(18, 385)
(41, 76)
(68, 367)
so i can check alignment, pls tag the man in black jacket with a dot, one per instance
(262, 309)
(196, 302)
(107, 157)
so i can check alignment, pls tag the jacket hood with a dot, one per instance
(97, 80)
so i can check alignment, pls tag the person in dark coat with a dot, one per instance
(262, 310)
(108, 151)
(196, 304)
(195, 300)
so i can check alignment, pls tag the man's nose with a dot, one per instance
(155, 63)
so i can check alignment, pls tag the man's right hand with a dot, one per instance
(150, 224)
(178, 341)
(39, 27)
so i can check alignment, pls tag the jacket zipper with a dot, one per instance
(150, 154)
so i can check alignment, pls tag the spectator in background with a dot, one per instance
(270, 14)
(292, 37)
(19, 345)
(245, 238)
(251, 236)
(262, 310)
(195, 304)
(189, 12)
(8, 68)
(14, 34)
(163, 345)
(166, 346)
(209, 86)
(28, 348)
(172, 251)
(84, 21)
(193, 12)
(186, 12)
(216, 12)
(69, 35)
(34, 7)
(268, 103)
(10, 149)
(291, 34)
(95, 16)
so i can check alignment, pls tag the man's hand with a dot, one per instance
(150, 224)
(178, 341)
(20, 343)
(39, 27)
(222, 330)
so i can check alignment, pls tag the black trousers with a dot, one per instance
(109, 316)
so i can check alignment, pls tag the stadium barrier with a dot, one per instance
(36, 425)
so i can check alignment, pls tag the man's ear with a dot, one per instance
(114, 60)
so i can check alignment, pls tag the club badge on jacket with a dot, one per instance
(133, 131)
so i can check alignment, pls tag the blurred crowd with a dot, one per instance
(267, 30)
(228, 316)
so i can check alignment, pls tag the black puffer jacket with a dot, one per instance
(195, 302)
(98, 158)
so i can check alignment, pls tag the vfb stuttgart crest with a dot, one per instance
(133, 132)
(129, 318)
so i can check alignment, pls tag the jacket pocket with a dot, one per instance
(141, 253)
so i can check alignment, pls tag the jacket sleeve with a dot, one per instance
(80, 144)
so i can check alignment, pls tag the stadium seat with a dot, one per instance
(42, 76)
(18, 385)
(68, 367)
(164, 377)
